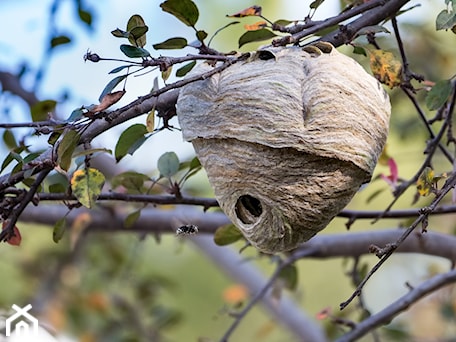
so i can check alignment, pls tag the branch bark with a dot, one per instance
(402, 304)
(322, 246)
(11, 83)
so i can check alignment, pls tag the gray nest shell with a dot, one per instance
(287, 137)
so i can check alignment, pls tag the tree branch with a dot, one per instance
(346, 33)
(212, 202)
(402, 304)
(155, 221)
(388, 250)
(285, 311)
(12, 84)
(372, 17)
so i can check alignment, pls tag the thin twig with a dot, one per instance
(402, 304)
(8, 230)
(386, 252)
(431, 148)
(240, 315)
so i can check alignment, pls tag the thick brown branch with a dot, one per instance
(321, 246)
(12, 84)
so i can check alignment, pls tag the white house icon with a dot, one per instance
(22, 326)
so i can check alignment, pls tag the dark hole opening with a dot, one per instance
(264, 55)
(248, 208)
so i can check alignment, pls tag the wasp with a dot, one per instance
(188, 229)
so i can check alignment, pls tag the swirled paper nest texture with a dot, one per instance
(287, 137)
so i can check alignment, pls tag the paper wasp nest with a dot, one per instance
(287, 137)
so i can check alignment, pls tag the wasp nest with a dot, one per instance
(287, 137)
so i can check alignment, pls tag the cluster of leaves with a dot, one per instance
(446, 19)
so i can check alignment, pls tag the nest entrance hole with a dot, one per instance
(248, 209)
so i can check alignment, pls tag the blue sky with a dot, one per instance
(24, 27)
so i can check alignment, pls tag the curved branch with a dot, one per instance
(322, 246)
(402, 304)
(12, 84)
(285, 311)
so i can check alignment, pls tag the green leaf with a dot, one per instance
(118, 69)
(54, 137)
(184, 10)
(9, 158)
(130, 140)
(438, 95)
(195, 163)
(66, 148)
(372, 30)
(76, 115)
(172, 43)
(9, 139)
(131, 219)
(13, 155)
(227, 235)
(85, 17)
(374, 195)
(41, 110)
(59, 40)
(289, 276)
(133, 51)
(111, 85)
(315, 4)
(132, 181)
(182, 71)
(57, 188)
(86, 185)
(445, 20)
(255, 36)
(137, 29)
(168, 164)
(120, 33)
(359, 50)
(282, 22)
(138, 36)
(31, 156)
(92, 151)
(59, 229)
(201, 35)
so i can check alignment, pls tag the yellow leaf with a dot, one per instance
(235, 294)
(385, 67)
(86, 185)
(384, 156)
(425, 183)
(248, 12)
(79, 225)
(150, 121)
(257, 26)
(165, 74)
